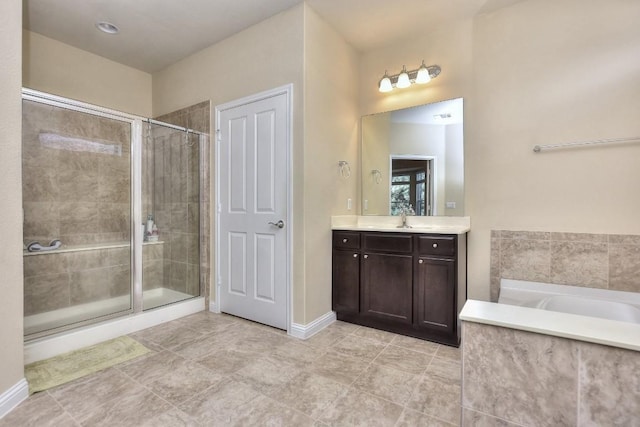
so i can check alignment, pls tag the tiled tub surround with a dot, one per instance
(511, 376)
(73, 276)
(607, 261)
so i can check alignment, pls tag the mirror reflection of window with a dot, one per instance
(411, 187)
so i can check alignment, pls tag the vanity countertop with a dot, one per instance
(418, 224)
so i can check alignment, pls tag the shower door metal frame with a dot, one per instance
(136, 198)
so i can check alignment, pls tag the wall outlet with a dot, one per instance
(366, 204)
(348, 204)
(451, 205)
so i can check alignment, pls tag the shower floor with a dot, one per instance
(152, 298)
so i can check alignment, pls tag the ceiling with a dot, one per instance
(157, 33)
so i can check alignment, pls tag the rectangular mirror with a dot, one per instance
(413, 161)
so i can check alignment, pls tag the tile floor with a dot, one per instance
(217, 370)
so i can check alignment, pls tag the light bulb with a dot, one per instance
(403, 79)
(385, 84)
(423, 74)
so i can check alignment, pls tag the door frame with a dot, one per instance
(286, 90)
(433, 177)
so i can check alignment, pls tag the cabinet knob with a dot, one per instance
(435, 245)
(355, 255)
(421, 261)
(345, 240)
(366, 256)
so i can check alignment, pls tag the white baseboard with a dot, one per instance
(13, 397)
(307, 331)
(214, 307)
(82, 337)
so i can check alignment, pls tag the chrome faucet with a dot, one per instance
(403, 216)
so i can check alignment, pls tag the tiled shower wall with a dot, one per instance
(608, 261)
(78, 197)
(181, 196)
(57, 280)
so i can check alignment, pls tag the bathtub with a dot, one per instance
(600, 303)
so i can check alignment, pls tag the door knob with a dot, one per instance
(279, 224)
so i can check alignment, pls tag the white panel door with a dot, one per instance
(253, 194)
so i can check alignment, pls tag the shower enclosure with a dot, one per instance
(112, 213)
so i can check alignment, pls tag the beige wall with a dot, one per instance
(57, 68)
(262, 57)
(11, 358)
(330, 135)
(534, 73)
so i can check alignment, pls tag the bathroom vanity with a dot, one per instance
(410, 281)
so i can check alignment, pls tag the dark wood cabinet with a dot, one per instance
(387, 284)
(407, 283)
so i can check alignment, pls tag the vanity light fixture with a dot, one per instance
(107, 27)
(405, 78)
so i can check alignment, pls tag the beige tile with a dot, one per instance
(339, 367)
(415, 344)
(183, 382)
(170, 336)
(309, 393)
(89, 286)
(445, 369)
(522, 364)
(374, 334)
(411, 418)
(207, 322)
(35, 265)
(525, 235)
(326, 338)
(298, 351)
(343, 327)
(580, 264)
(362, 348)
(525, 259)
(266, 411)
(387, 383)
(79, 217)
(494, 269)
(81, 398)
(267, 374)
(357, 408)
(172, 418)
(227, 361)
(403, 359)
(131, 408)
(477, 419)
(609, 386)
(219, 402)
(580, 237)
(46, 292)
(624, 267)
(436, 397)
(448, 352)
(624, 239)
(39, 410)
(152, 367)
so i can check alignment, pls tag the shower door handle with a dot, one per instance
(279, 224)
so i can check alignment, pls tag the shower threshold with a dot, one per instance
(153, 298)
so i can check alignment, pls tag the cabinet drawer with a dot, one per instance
(387, 242)
(346, 240)
(437, 245)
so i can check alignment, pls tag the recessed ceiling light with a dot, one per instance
(107, 27)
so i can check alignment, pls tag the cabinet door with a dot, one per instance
(435, 294)
(387, 283)
(346, 281)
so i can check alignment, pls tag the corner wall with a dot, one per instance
(537, 72)
(262, 57)
(54, 67)
(11, 283)
(330, 134)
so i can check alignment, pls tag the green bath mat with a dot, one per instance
(48, 373)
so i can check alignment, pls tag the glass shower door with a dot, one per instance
(171, 208)
(76, 172)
